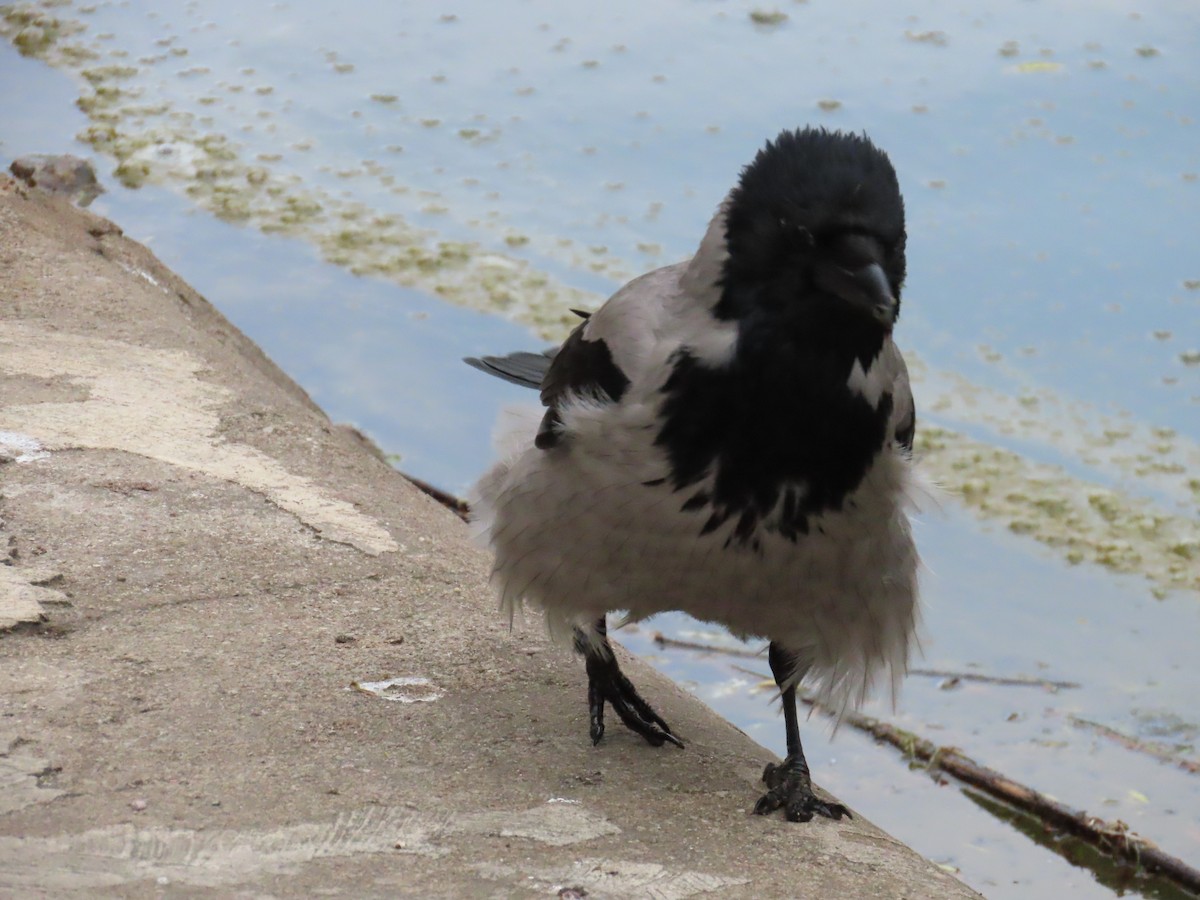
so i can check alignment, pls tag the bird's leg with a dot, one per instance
(789, 783)
(607, 683)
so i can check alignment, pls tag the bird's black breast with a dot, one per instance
(778, 426)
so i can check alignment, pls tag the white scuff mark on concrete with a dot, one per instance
(21, 447)
(19, 777)
(150, 402)
(406, 689)
(619, 878)
(20, 601)
(556, 825)
(121, 854)
(144, 275)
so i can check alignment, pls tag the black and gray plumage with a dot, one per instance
(730, 437)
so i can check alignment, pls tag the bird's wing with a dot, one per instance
(627, 341)
(622, 344)
(581, 367)
(584, 366)
(522, 367)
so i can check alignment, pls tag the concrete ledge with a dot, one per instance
(212, 564)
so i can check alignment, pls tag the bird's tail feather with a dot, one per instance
(523, 368)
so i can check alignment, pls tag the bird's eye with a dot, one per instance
(795, 232)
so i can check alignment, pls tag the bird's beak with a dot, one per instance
(879, 301)
(866, 289)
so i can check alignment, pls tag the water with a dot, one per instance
(992, 607)
(1049, 157)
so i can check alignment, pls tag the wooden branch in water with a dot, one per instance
(1150, 748)
(1113, 838)
(457, 505)
(766, 682)
(1018, 680)
(664, 641)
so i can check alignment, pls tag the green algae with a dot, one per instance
(768, 18)
(210, 169)
(933, 38)
(1110, 528)
(34, 32)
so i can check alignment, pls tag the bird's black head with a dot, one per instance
(815, 226)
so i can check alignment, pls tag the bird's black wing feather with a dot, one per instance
(907, 431)
(902, 401)
(580, 366)
(523, 368)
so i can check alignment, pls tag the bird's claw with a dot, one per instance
(607, 683)
(790, 787)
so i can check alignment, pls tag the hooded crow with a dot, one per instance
(731, 437)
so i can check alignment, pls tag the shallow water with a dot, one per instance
(1049, 157)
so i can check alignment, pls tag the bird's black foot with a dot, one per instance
(790, 787)
(608, 684)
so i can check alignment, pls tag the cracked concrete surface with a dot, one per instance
(206, 569)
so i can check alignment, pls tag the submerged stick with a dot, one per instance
(1019, 680)
(1113, 838)
(1150, 748)
(1016, 680)
(664, 641)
